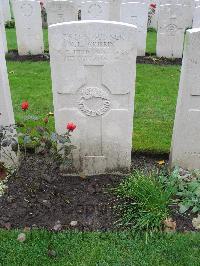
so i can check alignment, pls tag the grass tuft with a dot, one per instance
(145, 204)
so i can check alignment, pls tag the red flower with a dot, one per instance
(153, 5)
(25, 106)
(71, 126)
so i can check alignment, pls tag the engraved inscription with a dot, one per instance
(94, 101)
(171, 28)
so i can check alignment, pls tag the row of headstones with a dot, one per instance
(93, 69)
(174, 17)
(28, 22)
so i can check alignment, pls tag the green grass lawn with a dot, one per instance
(89, 249)
(151, 42)
(12, 43)
(155, 102)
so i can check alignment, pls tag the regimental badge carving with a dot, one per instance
(27, 9)
(94, 101)
(95, 9)
(171, 28)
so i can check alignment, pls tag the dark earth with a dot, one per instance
(41, 197)
(147, 59)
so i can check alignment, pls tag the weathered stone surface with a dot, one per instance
(185, 150)
(61, 11)
(93, 75)
(28, 27)
(6, 112)
(136, 13)
(3, 33)
(5, 5)
(115, 10)
(172, 23)
(196, 15)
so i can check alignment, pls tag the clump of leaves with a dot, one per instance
(185, 186)
(33, 133)
(145, 204)
(10, 24)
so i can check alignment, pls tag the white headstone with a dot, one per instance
(185, 150)
(196, 15)
(172, 23)
(136, 13)
(189, 6)
(6, 10)
(93, 75)
(28, 23)
(61, 11)
(6, 111)
(95, 10)
(187, 9)
(115, 10)
(3, 32)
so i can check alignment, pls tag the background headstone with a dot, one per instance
(3, 32)
(196, 15)
(115, 10)
(136, 13)
(6, 111)
(5, 5)
(28, 23)
(172, 23)
(185, 151)
(61, 11)
(95, 10)
(93, 75)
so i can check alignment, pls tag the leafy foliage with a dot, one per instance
(10, 24)
(185, 186)
(33, 133)
(145, 204)
(37, 136)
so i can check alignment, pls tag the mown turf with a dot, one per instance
(12, 43)
(151, 42)
(155, 103)
(156, 92)
(99, 249)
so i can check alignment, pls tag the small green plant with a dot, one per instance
(10, 24)
(185, 187)
(145, 202)
(32, 133)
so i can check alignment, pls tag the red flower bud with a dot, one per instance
(25, 106)
(71, 126)
(153, 5)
